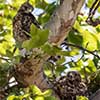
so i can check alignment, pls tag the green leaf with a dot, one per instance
(96, 61)
(88, 36)
(27, 44)
(91, 40)
(75, 38)
(48, 49)
(40, 4)
(61, 60)
(39, 98)
(60, 68)
(47, 93)
(98, 28)
(35, 90)
(43, 36)
(91, 65)
(26, 95)
(99, 10)
(51, 50)
(32, 43)
(89, 3)
(38, 38)
(81, 98)
(43, 19)
(2, 6)
(47, 69)
(34, 30)
(49, 10)
(13, 97)
(50, 98)
(74, 51)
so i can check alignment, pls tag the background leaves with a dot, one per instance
(71, 57)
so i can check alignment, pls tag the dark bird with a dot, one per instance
(22, 22)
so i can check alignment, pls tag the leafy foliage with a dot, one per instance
(38, 38)
(33, 93)
(83, 55)
(81, 98)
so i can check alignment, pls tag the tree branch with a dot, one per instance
(31, 71)
(62, 20)
(80, 47)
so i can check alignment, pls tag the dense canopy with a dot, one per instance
(79, 51)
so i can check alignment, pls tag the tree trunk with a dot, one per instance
(31, 71)
(95, 96)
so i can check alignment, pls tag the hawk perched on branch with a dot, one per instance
(22, 22)
(69, 86)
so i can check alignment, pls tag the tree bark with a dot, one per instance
(31, 71)
(95, 96)
(63, 19)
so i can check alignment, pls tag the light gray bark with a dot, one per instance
(95, 96)
(63, 19)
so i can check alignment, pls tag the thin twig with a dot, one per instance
(6, 59)
(82, 48)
